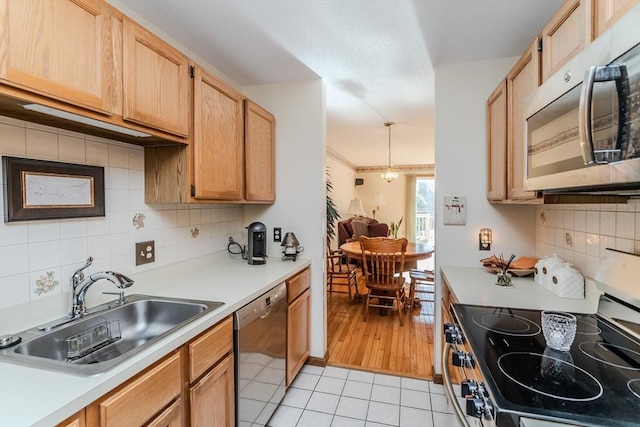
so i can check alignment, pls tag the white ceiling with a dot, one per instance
(376, 57)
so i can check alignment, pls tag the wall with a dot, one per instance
(300, 204)
(579, 234)
(342, 179)
(461, 94)
(394, 194)
(35, 250)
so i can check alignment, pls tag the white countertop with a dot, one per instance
(35, 397)
(476, 286)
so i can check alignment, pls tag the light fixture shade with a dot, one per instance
(485, 239)
(355, 208)
(389, 175)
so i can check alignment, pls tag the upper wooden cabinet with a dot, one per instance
(231, 157)
(606, 12)
(566, 34)
(506, 141)
(497, 143)
(155, 81)
(522, 81)
(260, 156)
(61, 49)
(217, 147)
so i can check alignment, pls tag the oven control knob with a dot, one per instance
(468, 388)
(489, 410)
(453, 337)
(463, 359)
(475, 406)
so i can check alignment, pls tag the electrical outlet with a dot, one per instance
(145, 252)
(277, 234)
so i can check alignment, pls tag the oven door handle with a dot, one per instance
(448, 386)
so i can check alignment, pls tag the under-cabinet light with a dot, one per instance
(84, 120)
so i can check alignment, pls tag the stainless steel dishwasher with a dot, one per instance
(260, 347)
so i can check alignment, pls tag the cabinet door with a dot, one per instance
(155, 80)
(606, 12)
(60, 49)
(565, 35)
(522, 80)
(170, 417)
(497, 143)
(76, 420)
(140, 400)
(260, 164)
(218, 153)
(298, 334)
(212, 398)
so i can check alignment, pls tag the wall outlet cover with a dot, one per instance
(145, 252)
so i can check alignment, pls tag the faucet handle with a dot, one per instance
(78, 276)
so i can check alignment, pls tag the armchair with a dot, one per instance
(370, 228)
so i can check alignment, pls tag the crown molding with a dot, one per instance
(340, 159)
(427, 169)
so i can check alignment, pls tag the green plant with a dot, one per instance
(395, 228)
(332, 212)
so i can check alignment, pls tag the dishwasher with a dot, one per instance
(260, 346)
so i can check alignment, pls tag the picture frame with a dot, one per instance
(455, 210)
(44, 190)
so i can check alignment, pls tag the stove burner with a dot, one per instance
(552, 374)
(506, 323)
(587, 328)
(614, 355)
(634, 386)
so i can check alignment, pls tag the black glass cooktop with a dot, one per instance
(596, 383)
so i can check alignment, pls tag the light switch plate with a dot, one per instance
(145, 252)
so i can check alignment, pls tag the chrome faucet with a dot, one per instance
(81, 285)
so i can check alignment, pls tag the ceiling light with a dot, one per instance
(389, 175)
(81, 119)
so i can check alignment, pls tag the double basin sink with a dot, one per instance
(109, 335)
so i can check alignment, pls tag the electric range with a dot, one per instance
(596, 383)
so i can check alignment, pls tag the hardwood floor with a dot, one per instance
(380, 344)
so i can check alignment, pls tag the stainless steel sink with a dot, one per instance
(107, 336)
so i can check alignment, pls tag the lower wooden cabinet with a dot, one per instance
(194, 385)
(298, 339)
(141, 399)
(76, 420)
(212, 398)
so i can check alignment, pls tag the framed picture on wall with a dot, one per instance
(40, 190)
(455, 210)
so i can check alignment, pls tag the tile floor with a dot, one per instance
(337, 397)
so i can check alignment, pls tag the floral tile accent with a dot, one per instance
(195, 232)
(543, 217)
(568, 239)
(46, 283)
(138, 220)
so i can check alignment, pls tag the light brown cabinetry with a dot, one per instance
(76, 420)
(497, 143)
(60, 49)
(506, 140)
(606, 12)
(217, 148)
(211, 377)
(231, 157)
(260, 157)
(143, 399)
(155, 81)
(566, 34)
(522, 81)
(298, 311)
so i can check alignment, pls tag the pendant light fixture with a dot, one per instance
(389, 175)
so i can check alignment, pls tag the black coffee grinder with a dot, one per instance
(257, 243)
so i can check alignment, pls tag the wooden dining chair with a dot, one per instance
(341, 273)
(383, 263)
(422, 284)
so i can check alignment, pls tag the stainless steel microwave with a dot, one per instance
(583, 123)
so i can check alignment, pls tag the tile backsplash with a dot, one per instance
(37, 258)
(580, 233)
